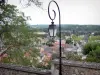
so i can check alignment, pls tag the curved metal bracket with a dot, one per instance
(53, 10)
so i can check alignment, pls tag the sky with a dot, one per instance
(82, 12)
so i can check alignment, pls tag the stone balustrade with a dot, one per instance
(76, 68)
(9, 69)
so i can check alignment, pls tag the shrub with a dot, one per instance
(22, 56)
(94, 56)
(90, 47)
(73, 56)
(42, 66)
(49, 43)
(87, 48)
(68, 41)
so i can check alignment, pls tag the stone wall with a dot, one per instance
(7, 69)
(76, 68)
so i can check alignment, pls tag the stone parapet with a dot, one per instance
(9, 69)
(76, 67)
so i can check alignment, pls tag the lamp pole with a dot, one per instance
(60, 52)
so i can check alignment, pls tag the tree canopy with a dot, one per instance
(17, 36)
(27, 2)
(36, 2)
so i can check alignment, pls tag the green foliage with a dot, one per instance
(77, 38)
(94, 38)
(50, 43)
(97, 52)
(22, 56)
(91, 46)
(73, 56)
(12, 22)
(35, 2)
(87, 48)
(14, 30)
(92, 50)
(18, 37)
(40, 65)
(68, 41)
(91, 59)
(75, 29)
(94, 56)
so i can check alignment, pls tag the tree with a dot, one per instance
(38, 3)
(76, 38)
(17, 36)
(91, 46)
(29, 2)
(14, 29)
(94, 56)
(94, 38)
(92, 50)
(10, 22)
(68, 41)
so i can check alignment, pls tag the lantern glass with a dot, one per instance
(52, 30)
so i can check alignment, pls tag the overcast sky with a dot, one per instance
(72, 12)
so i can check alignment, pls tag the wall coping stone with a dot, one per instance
(26, 69)
(81, 64)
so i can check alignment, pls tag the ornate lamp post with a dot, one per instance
(52, 31)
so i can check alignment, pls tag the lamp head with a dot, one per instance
(52, 30)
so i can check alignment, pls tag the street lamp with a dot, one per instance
(52, 31)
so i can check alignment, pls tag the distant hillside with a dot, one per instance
(65, 27)
(39, 26)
